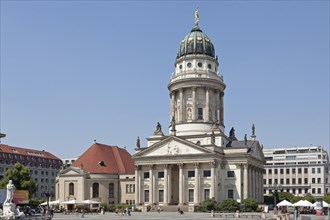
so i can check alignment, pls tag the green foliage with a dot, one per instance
(20, 175)
(229, 205)
(250, 205)
(109, 207)
(208, 205)
(296, 199)
(326, 198)
(35, 202)
(309, 198)
(285, 196)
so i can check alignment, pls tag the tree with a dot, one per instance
(20, 175)
(309, 197)
(250, 205)
(285, 196)
(208, 205)
(326, 198)
(229, 205)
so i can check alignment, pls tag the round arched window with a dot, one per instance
(189, 65)
(209, 66)
(200, 64)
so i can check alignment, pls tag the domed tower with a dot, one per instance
(196, 88)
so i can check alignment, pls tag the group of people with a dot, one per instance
(123, 212)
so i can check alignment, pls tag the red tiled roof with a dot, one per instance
(116, 160)
(27, 152)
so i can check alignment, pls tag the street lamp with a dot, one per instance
(275, 187)
(48, 195)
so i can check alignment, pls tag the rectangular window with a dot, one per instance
(287, 171)
(293, 170)
(313, 190)
(230, 193)
(281, 171)
(270, 181)
(306, 180)
(306, 190)
(294, 181)
(146, 195)
(281, 181)
(293, 191)
(275, 171)
(299, 170)
(287, 181)
(191, 195)
(318, 180)
(305, 170)
(127, 188)
(160, 174)
(146, 175)
(313, 180)
(299, 180)
(230, 174)
(161, 195)
(313, 170)
(318, 170)
(299, 191)
(270, 171)
(319, 190)
(207, 173)
(191, 173)
(206, 193)
(200, 113)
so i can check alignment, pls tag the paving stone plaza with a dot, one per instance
(172, 215)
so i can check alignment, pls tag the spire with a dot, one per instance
(196, 17)
(253, 136)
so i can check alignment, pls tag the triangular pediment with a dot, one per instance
(173, 146)
(72, 171)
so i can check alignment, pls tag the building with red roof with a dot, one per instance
(103, 173)
(43, 166)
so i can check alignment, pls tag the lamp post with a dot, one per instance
(48, 195)
(275, 187)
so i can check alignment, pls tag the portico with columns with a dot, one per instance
(197, 161)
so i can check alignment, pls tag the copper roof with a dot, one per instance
(26, 152)
(101, 158)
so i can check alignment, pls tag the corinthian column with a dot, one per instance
(137, 184)
(212, 191)
(194, 103)
(246, 177)
(181, 186)
(196, 190)
(172, 105)
(181, 106)
(151, 185)
(165, 184)
(207, 106)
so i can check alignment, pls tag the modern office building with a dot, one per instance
(298, 170)
(43, 166)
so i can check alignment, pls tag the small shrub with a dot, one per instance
(229, 205)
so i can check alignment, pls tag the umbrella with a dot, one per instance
(88, 201)
(284, 203)
(303, 203)
(73, 201)
(56, 202)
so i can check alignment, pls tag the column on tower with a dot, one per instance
(181, 106)
(172, 105)
(207, 105)
(218, 103)
(194, 103)
(221, 109)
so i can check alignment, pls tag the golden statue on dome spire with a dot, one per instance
(196, 17)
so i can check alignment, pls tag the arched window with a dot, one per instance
(71, 189)
(111, 190)
(96, 193)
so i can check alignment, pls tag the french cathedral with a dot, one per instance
(197, 160)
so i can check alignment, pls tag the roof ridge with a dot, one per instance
(119, 161)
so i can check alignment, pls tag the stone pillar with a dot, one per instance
(172, 105)
(137, 184)
(246, 181)
(151, 184)
(254, 179)
(169, 184)
(194, 103)
(221, 109)
(197, 188)
(181, 184)
(257, 188)
(218, 101)
(207, 105)
(181, 106)
(213, 180)
(166, 184)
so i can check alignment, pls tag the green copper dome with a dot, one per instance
(196, 42)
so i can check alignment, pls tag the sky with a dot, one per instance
(77, 71)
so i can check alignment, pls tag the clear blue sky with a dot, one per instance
(75, 71)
